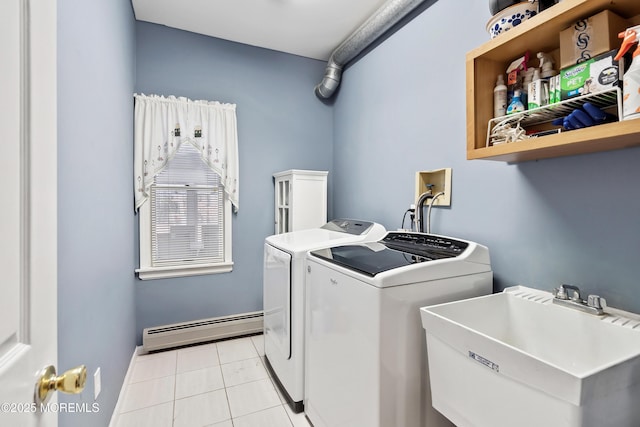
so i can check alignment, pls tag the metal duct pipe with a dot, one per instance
(383, 19)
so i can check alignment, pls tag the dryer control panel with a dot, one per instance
(351, 226)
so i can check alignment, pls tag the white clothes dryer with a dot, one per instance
(283, 295)
(365, 351)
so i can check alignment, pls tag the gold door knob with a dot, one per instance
(72, 381)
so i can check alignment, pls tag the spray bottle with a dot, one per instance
(514, 76)
(550, 76)
(546, 65)
(631, 84)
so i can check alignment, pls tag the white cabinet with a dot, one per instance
(301, 200)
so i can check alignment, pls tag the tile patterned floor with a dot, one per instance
(223, 384)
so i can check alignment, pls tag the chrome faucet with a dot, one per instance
(592, 305)
(563, 294)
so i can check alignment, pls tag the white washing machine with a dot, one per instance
(365, 351)
(283, 292)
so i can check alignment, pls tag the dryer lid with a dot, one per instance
(351, 226)
(334, 233)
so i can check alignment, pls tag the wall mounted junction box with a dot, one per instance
(440, 180)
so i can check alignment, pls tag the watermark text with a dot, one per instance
(68, 407)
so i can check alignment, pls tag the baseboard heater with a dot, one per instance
(200, 331)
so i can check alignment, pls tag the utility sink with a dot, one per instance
(516, 359)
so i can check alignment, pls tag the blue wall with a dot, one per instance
(401, 109)
(281, 125)
(96, 320)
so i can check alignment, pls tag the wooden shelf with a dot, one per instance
(610, 136)
(539, 34)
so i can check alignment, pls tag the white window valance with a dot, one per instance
(162, 125)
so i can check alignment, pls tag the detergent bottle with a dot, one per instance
(500, 98)
(631, 82)
(516, 105)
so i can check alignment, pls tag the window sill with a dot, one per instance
(149, 273)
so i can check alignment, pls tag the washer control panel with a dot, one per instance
(420, 243)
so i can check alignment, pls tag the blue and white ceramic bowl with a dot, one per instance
(511, 16)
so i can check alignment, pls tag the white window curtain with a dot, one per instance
(162, 125)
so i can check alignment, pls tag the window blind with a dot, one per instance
(187, 205)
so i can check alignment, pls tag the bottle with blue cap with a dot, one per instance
(516, 105)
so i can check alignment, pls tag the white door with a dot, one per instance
(28, 293)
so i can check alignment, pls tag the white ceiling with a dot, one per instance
(309, 28)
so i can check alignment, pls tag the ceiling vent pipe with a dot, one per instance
(389, 14)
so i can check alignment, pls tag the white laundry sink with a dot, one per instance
(517, 359)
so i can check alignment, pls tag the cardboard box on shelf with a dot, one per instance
(590, 37)
(592, 76)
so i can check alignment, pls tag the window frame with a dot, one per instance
(148, 271)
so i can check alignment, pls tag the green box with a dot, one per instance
(597, 74)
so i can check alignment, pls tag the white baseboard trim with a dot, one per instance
(116, 410)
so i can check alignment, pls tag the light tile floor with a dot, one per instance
(223, 384)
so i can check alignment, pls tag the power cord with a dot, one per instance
(405, 217)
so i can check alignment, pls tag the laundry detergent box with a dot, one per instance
(595, 75)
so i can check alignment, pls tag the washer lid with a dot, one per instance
(394, 251)
(372, 258)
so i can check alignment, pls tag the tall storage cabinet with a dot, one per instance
(300, 200)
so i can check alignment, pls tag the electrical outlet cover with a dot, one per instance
(97, 384)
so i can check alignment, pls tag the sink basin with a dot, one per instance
(516, 359)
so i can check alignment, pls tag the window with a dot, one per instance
(185, 229)
(186, 179)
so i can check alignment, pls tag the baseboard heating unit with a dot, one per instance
(199, 331)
